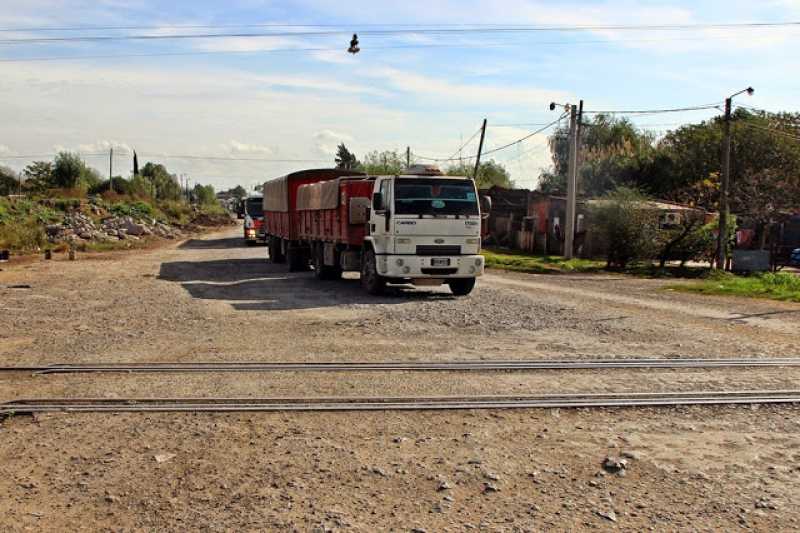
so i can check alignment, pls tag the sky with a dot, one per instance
(240, 110)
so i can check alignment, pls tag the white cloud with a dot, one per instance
(489, 95)
(327, 141)
(235, 147)
(105, 146)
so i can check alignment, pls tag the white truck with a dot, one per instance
(420, 227)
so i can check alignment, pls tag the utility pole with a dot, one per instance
(408, 157)
(480, 150)
(724, 207)
(572, 183)
(111, 169)
(724, 193)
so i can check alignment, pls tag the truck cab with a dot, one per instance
(253, 219)
(424, 228)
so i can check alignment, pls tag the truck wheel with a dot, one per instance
(275, 254)
(371, 281)
(297, 260)
(462, 287)
(320, 270)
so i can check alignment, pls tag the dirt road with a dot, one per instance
(213, 299)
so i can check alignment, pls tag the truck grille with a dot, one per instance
(433, 249)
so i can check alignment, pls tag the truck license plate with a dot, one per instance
(440, 262)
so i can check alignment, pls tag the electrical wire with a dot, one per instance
(525, 138)
(776, 131)
(415, 31)
(654, 111)
(395, 25)
(466, 143)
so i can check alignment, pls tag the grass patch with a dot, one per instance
(538, 264)
(781, 286)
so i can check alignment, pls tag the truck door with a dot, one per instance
(379, 220)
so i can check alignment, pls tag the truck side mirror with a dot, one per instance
(377, 202)
(486, 206)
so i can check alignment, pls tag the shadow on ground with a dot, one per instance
(213, 244)
(255, 284)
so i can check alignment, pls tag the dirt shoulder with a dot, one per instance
(213, 299)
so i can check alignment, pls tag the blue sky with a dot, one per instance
(295, 96)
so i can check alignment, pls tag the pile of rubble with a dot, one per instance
(80, 227)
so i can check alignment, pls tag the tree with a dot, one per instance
(161, 184)
(68, 170)
(490, 174)
(9, 181)
(238, 192)
(38, 176)
(626, 226)
(204, 194)
(388, 162)
(345, 159)
(613, 153)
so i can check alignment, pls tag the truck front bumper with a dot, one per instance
(413, 266)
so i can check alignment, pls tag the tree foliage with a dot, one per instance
(204, 194)
(9, 181)
(38, 176)
(162, 184)
(387, 162)
(490, 174)
(345, 159)
(625, 226)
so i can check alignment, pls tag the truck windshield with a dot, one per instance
(255, 207)
(435, 197)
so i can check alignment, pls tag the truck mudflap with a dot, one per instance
(412, 266)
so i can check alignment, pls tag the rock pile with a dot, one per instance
(78, 226)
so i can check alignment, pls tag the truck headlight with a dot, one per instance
(402, 240)
(399, 262)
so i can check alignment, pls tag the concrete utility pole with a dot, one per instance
(572, 183)
(480, 150)
(408, 157)
(111, 169)
(724, 200)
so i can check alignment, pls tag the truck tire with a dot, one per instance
(461, 287)
(275, 252)
(321, 270)
(297, 260)
(371, 281)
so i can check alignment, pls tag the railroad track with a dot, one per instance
(133, 405)
(408, 366)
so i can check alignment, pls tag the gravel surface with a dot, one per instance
(212, 299)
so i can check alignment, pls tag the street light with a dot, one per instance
(572, 174)
(724, 203)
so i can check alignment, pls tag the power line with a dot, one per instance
(170, 156)
(654, 111)
(776, 131)
(416, 31)
(351, 26)
(525, 138)
(466, 143)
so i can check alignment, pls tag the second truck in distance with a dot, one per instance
(418, 228)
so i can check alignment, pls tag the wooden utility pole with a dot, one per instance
(480, 150)
(111, 169)
(724, 207)
(572, 183)
(408, 157)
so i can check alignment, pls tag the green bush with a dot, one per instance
(24, 235)
(135, 209)
(626, 227)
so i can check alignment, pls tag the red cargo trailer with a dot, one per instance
(333, 218)
(281, 218)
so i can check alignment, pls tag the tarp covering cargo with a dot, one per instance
(320, 195)
(276, 195)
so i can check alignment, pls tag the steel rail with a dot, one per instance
(403, 366)
(648, 399)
